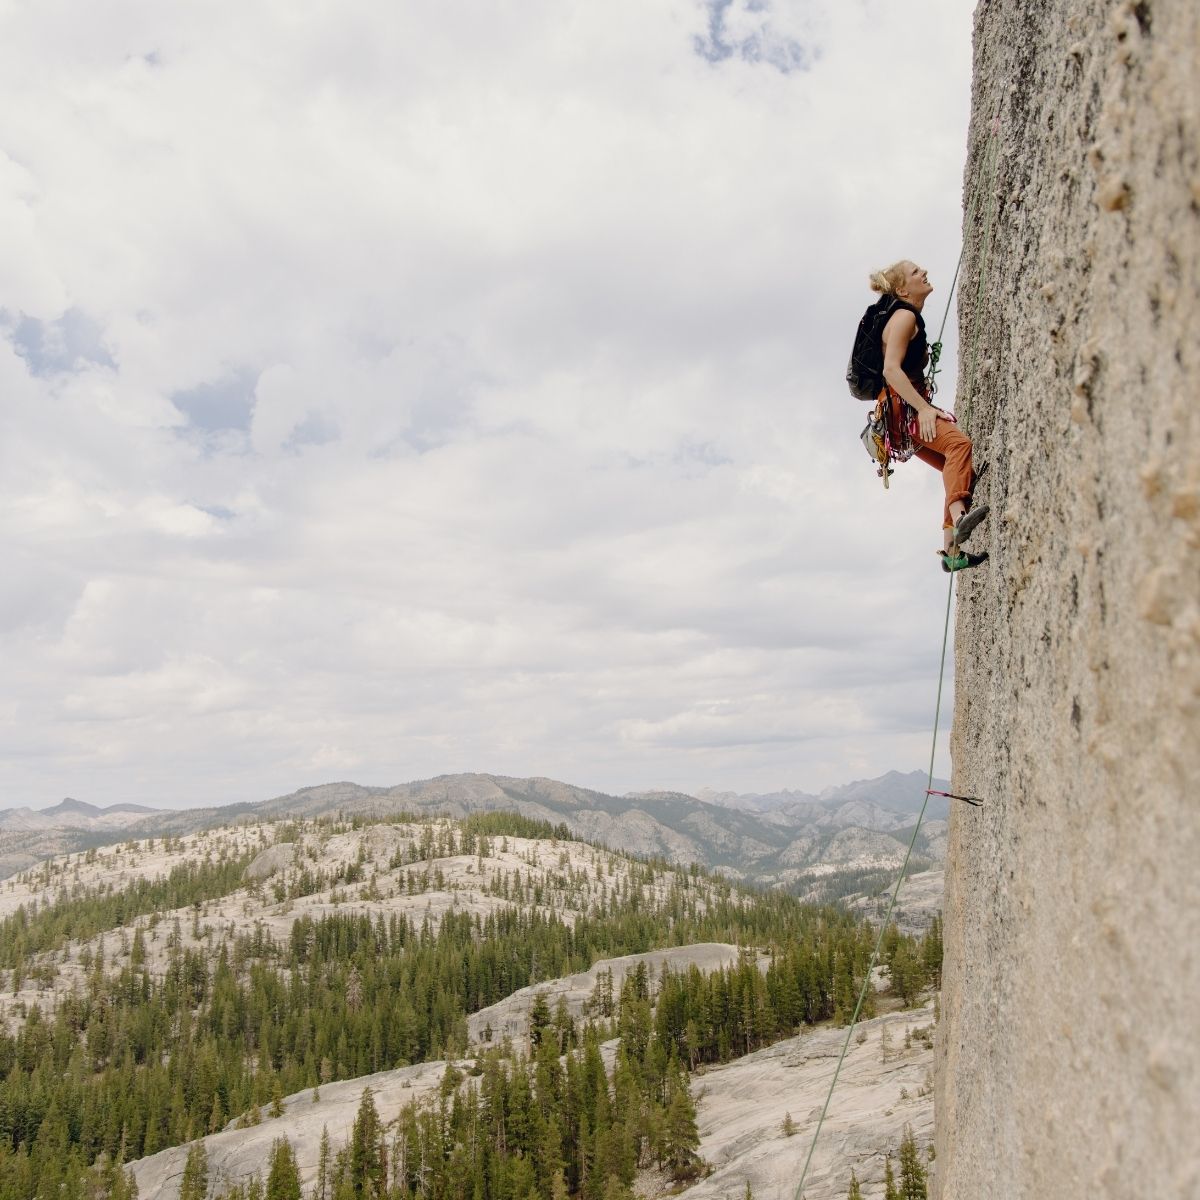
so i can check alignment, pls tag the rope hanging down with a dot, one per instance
(891, 905)
(935, 354)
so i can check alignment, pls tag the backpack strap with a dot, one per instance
(897, 303)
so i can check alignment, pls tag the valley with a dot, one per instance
(204, 988)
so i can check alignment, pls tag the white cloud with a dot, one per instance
(440, 386)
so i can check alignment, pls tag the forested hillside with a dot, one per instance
(159, 991)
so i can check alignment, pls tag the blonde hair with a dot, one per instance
(889, 279)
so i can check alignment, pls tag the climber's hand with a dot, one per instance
(927, 422)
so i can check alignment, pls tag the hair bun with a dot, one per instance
(889, 280)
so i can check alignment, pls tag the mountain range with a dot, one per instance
(814, 844)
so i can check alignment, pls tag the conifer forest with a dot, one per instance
(137, 1018)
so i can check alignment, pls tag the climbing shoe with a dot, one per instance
(961, 561)
(966, 524)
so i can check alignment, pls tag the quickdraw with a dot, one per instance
(974, 800)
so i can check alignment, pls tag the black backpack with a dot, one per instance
(864, 373)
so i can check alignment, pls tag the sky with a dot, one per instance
(390, 390)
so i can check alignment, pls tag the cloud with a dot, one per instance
(393, 390)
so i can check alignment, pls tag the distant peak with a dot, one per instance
(71, 805)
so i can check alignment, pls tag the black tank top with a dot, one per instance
(913, 363)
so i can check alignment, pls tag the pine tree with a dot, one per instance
(283, 1181)
(907, 972)
(550, 1160)
(564, 1026)
(913, 1183)
(367, 1171)
(194, 1185)
(889, 1181)
(123, 1185)
(321, 1188)
(789, 1126)
(932, 951)
(855, 1192)
(681, 1138)
(539, 1019)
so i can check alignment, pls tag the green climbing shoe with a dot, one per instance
(962, 561)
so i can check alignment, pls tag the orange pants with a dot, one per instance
(950, 453)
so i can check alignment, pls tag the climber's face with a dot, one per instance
(916, 284)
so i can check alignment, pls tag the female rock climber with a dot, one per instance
(936, 437)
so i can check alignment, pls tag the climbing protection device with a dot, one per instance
(877, 440)
(975, 800)
(887, 441)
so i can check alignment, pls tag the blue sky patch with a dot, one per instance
(314, 430)
(763, 45)
(68, 343)
(226, 404)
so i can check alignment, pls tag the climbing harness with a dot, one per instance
(974, 801)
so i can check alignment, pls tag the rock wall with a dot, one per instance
(1068, 1055)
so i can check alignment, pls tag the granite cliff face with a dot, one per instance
(1067, 1060)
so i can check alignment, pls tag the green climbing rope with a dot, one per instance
(990, 172)
(935, 352)
(892, 904)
